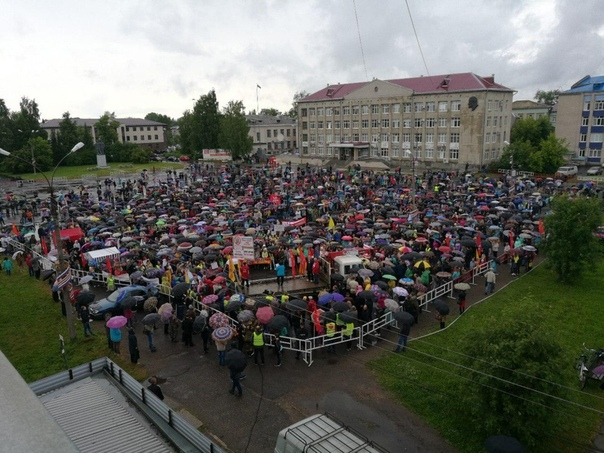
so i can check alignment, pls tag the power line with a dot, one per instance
(360, 40)
(417, 38)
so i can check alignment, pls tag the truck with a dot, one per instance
(344, 263)
(323, 433)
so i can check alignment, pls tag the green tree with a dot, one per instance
(270, 112)
(234, 131)
(106, 128)
(165, 119)
(293, 112)
(507, 402)
(66, 138)
(6, 127)
(547, 97)
(42, 152)
(200, 127)
(531, 130)
(517, 155)
(569, 241)
(550, 155)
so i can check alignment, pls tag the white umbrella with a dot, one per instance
(86, 279)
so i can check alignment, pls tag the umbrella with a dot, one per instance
(223, 333)
(348, 316)
(128, 302)
(277, 323)
(219, 320)
(86, 279)
(406, 281)
(150, 304)
(165, 311)
(441, 307)
(245, 316)
(404, 317)
(116, 322)
(443, 274)
(135, 276)
(367, 294)
(199, 323)
(264, 314)
(297, 305)
(180, 290)
(529, 248)
(325, 298)
(365, 273)
(47, 274)
(392, 305)
(337, 277)
(235, 360)
(85, 297)
(503, 444)
(462, 286)
(389, 277)
(340, 307)
(151, 319)
(382, 285)
(210, 299)
(233, 305)
(400, 291)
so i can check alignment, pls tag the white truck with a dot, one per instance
(322, 433)
(344, 263)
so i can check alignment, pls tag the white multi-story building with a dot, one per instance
(145, 133)
(458, 118)
(272, 135)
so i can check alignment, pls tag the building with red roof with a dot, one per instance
(456, 118)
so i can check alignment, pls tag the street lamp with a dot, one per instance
(57, 230)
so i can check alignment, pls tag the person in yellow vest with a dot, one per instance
(258, 344)
(348, 332)
(111, 283)
(339, 323)
(330, 332)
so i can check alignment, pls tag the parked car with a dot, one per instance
(567, 171)
(594, 170)
(171, 159)
(111, 305)
(185, 158)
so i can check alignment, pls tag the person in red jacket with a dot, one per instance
(30, 264)
(315, 271)
(244, 273)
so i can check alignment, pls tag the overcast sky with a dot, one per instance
(134, 57)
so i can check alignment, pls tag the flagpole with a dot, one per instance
(257, 104)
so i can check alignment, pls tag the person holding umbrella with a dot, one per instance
(85, 318)
(236, 361)
(133, 346)
(406, 319)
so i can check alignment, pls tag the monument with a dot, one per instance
(101, 159)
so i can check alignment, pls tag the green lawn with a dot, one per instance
(432, 388)
(30, 325)
(78, 171)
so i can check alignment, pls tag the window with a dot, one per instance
(585, 121)
(365, 124)
(328, 111)
(346, 124)
(455, 140)
(311, 111)
(395, 137)
(355, 109)
(313, 138)
(489, 105)
(407, 107)
(596, 138)
(319, 125)
(328, 124)
(365, 137)
(396, 123)
(487, 137)
(127, 128)
(395, 151)
(375, 138)
(156, 137)
(288, 132)
(598, 105)
(406, 138)
(429, 153)
(386, 109)
(346, 137)
(375, 123)
(355, 124)
(274, 132)
(454, 153)
(365, 110)
(386, 122)
(375, 109)
(304, 137)
(594, 152)
(268, 131)
(599, 121)
(320, 138)
(148, 128)
(494, 121)
(304, 112)
(431, 106)
(336, 138)
(135, 137)
(586, 105)
(430, 122)
(455, 122)
(346, 110)
(355, 137)
(384, 152)
(429, 138)
(320, 150)
(441, 152)
(406, 123)
(336, 111)
(418, 122)
(418, 138)
(442, 138)
(127, 138)
(418, 106)
(488, 121)
(312, 126)
(385, 137)
(442, 106)
(456, 106)
(154, 128)
(396, 108)
(442, 122)
(282, 131)
(320, 111)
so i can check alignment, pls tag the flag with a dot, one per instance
(331, 225)
(108, 264)
(541, 226)
(231, 269)
(511, 239)
(62, 280)
(15, 229)
(258, 86)
(44, 246)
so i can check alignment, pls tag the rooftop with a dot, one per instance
(55, 123)
(586, 85)
(449, 83)
(266, 120)
(526, 105)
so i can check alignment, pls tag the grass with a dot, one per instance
(432, 388)
(30, 325)
(78, 171)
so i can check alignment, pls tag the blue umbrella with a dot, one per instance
(325, 299)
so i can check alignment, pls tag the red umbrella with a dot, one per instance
(347, 238)
(444, 249)
(264, 314)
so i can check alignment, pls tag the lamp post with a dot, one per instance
(31, 148)
(57, 231)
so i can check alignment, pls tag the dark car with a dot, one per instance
(111, 305)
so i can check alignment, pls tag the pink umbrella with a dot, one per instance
(219, 320)
(165, 311)
(116, 322)
(347, 238)
(210, 299)
(264, 314)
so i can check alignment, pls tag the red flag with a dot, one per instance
(108, 263)
(15, 229)
(292, 263)
(44, 246)
(511, 239)
(541, 226)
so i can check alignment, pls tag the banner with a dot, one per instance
(243, 247)
(296, 223)
(63, 279)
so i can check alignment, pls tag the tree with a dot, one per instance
(550, 155)
(270, 112)
(531, 130)
(106, 128)
(547, 97)
(293, 112)
(506, 402)
(234, 131)
(570, 242)
(165, 119)
(67, 137)
(200, 127)
(42, 152)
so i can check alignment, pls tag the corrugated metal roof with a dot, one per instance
(96, 422)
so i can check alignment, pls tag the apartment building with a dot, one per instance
(458, 118)
(580, 118)
(272, 135)
(145, 133)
